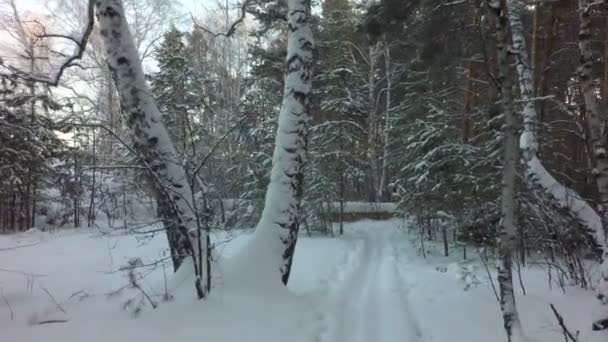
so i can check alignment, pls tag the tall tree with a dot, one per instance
(535, 171)
(278, 227)
(171, 86)
(172, 189)
(508, 234)
(597, 121)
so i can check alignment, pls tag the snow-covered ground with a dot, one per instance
(369, 285)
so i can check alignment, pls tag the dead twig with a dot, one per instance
(484, 261)
(54, 301)
(8, 305)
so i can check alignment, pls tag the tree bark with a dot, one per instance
(596, 129)
(372, 121)
(382, 188)
(171, 186)
(507, 238)
(278, 227)
(536, 173)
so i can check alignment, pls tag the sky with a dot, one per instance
(38, 5)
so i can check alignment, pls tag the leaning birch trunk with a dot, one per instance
(536, 173)
(596, 127)
(272, 247)
(172, 190)
(508, 232)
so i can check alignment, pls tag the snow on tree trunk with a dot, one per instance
(507, 239)
(382, 188)
(151, 140)
(535, 171)
(596, 123)
(268, 257)
(373, 54)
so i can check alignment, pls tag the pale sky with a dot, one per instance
(196, 6)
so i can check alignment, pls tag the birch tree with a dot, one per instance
(278, 227)
(507, 237)
(172, 190)
(535, 171)
(382, 187)
(597, 122)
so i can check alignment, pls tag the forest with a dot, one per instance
(304, 170)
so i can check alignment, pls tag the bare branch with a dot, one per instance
(450, 3)
(81, 47)
(232, 27)
(216, 145)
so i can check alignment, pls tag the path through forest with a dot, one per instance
(373, 302)
(371, 284)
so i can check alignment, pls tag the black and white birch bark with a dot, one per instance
(597, 128)
(373, 56)
(151, 140)
(382, 188)
(507, 239)
(536, 173)
(277, 230)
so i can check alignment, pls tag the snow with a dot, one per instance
(353, 207)
(372, 284)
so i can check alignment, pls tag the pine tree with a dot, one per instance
(171, 87)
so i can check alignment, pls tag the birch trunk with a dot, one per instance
(508, 233)
(274, 242)
(536, 173)
(373, 53)
(597, 129)
(596, 120)
(382, 191)
(151, 140)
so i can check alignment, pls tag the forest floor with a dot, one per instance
(370, 285)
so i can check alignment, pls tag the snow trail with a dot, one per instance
(372, 302)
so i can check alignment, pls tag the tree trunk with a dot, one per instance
(596, 130)
(605, 88)
(34, 206)
(382, 191)
(508, 232)
(536, 173)
(173, 193)
(550, 32)
(372, 121)
(277, 230)
(91, 213)
(76, 189)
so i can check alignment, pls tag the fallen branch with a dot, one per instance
(568, 336)
(17, 247)
(51, 321)
(601, 324)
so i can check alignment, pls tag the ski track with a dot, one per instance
(370, 303)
